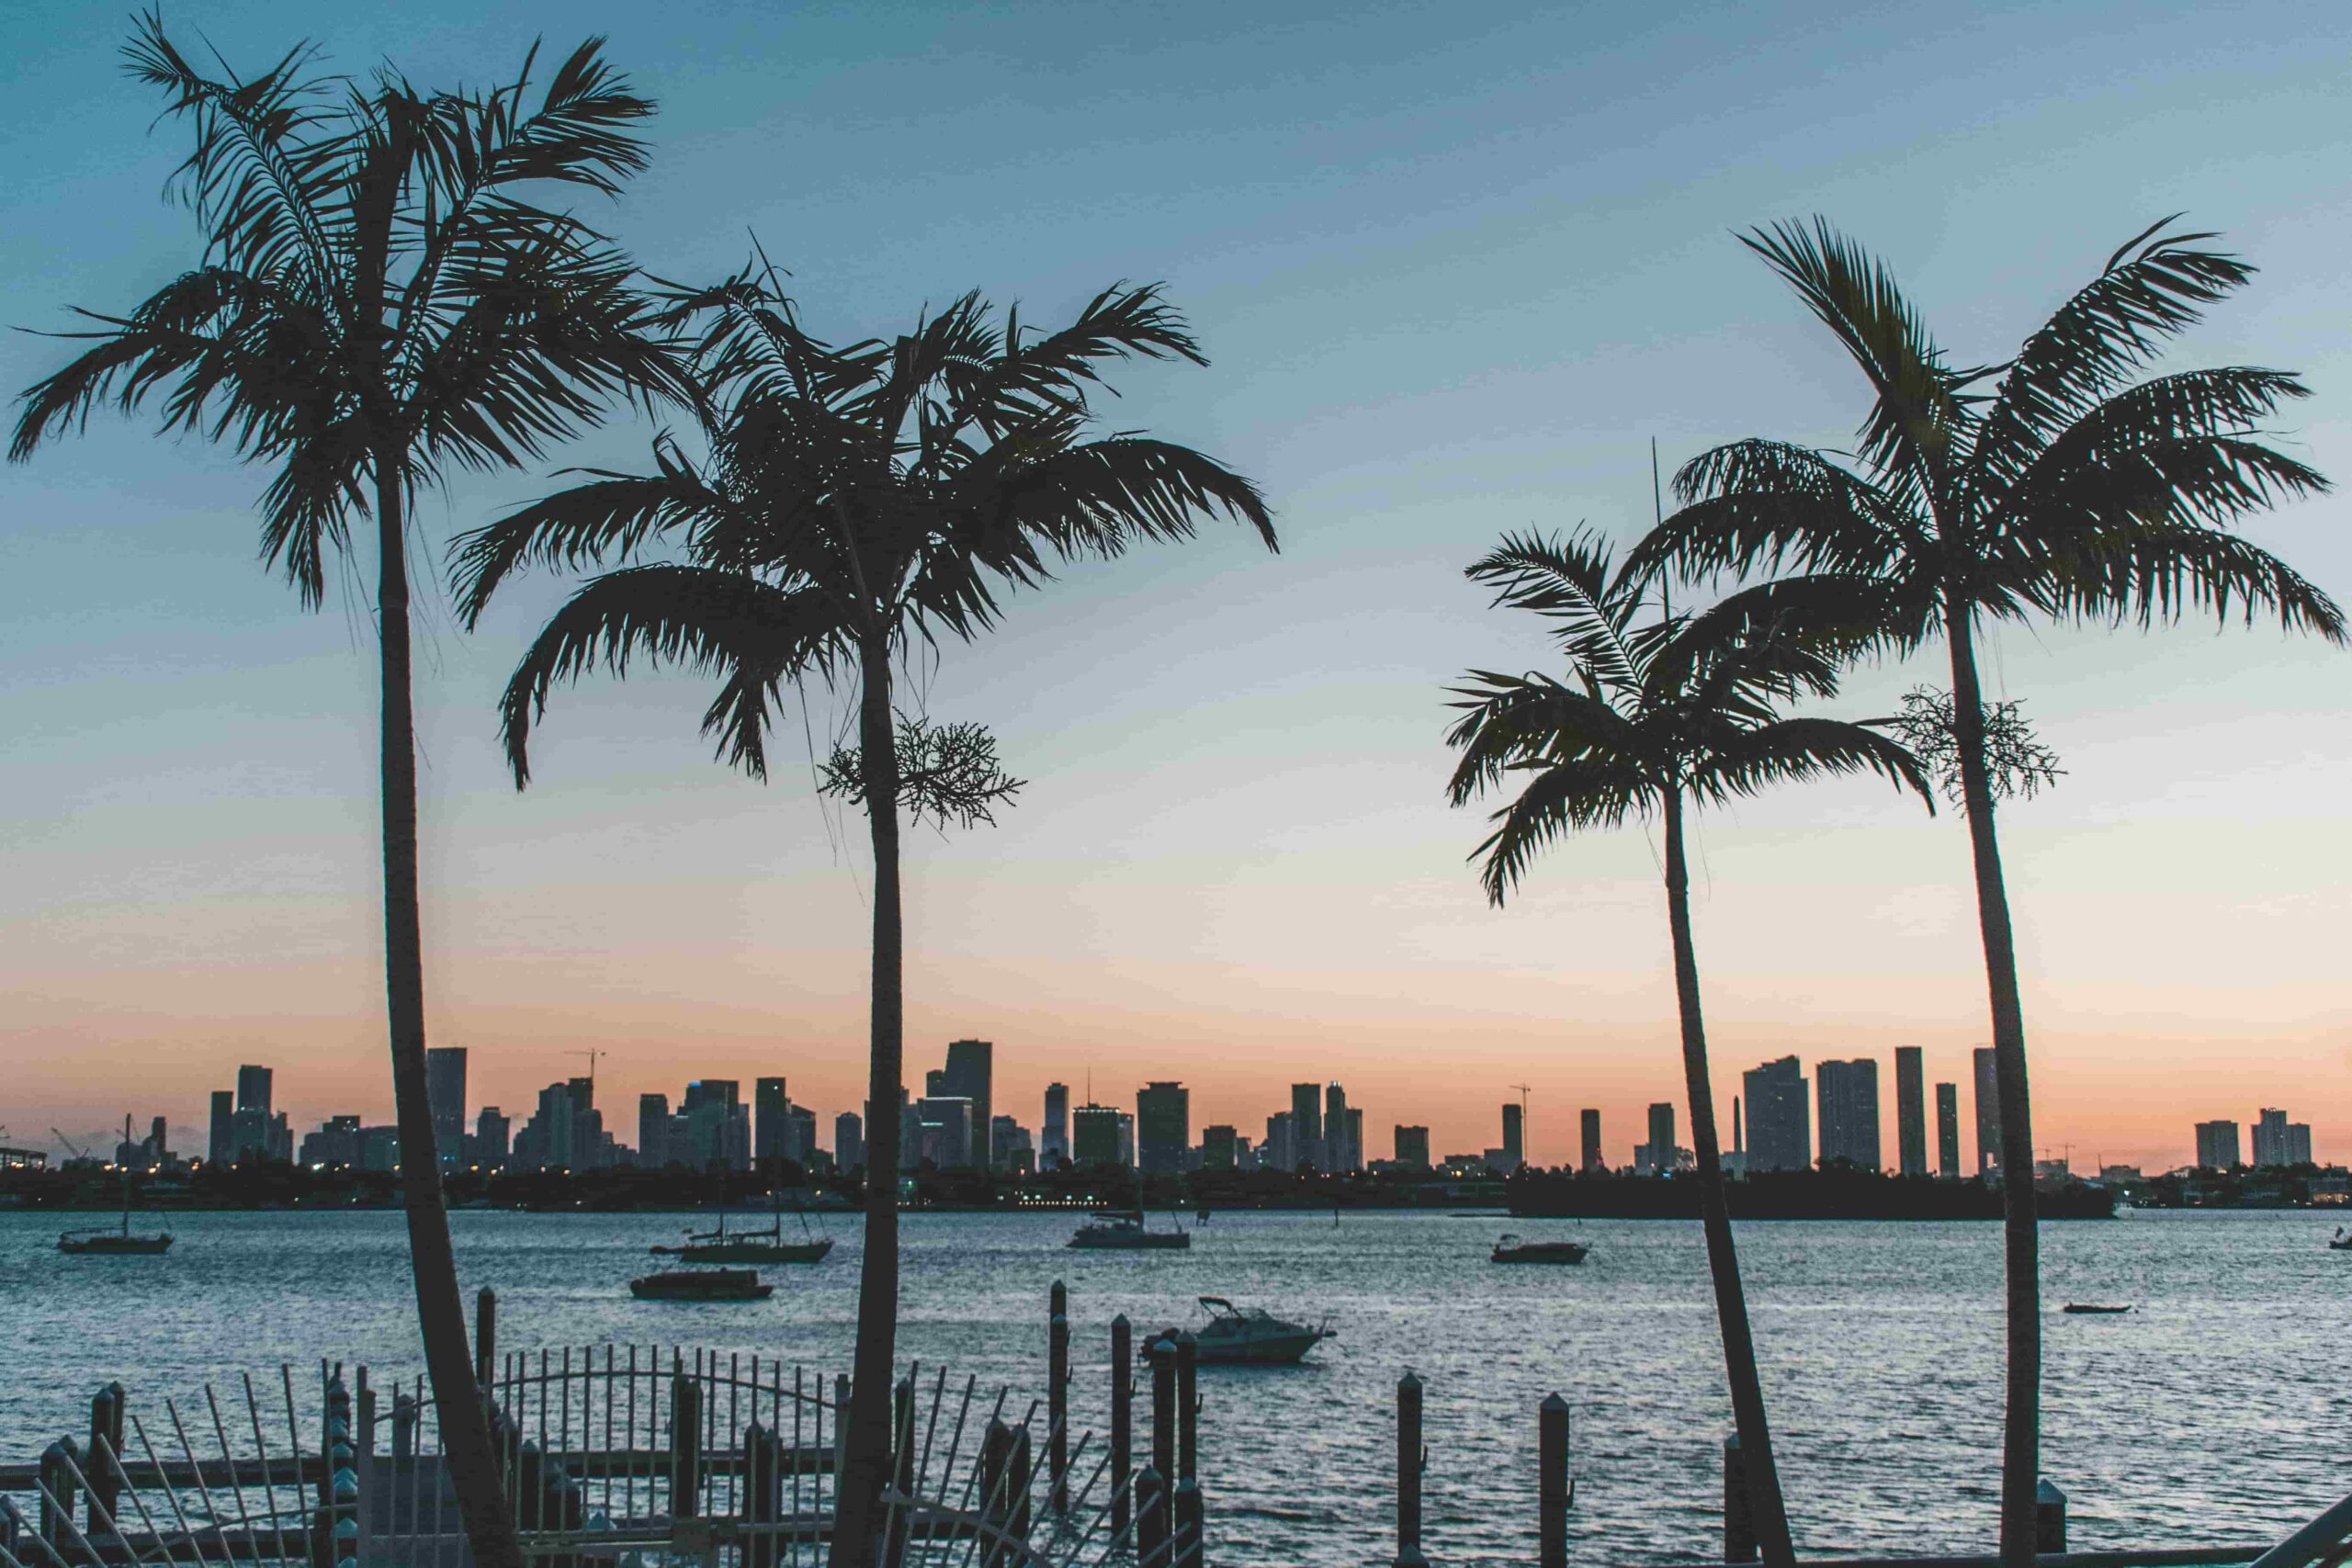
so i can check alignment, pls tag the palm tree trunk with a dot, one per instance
(2021, 1432)
(440, 1312)
(858, 1513)
(1766, 1506)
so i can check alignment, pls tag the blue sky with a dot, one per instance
(1455, 267)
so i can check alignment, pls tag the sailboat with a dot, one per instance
(106, 1241)
(751, 1246)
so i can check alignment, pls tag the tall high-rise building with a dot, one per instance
(949, 1132)
(1164, 1128)
(1948, 1131)
(445, 1095)
(1589, 1126)
(1849, 1095)
(220, 1148)
(1220, 1147)
(1662, 1131)
(1910, 1110)
(1053, 1146)
(1337, 1155)
(1355, 1137)
(1008, 1147)
(1514, 1134)
(971, 1073)
(653, 1150)
(1280, 1151)
(1306, 1124)
(772, 1123)
(848, 1141)
(1988, 1112)
(2216, 1144)
(1413, 1147)
(1780, 1122)
(2278, 1141)
(252, 1089)
(493, 1136)
(1094, 1135)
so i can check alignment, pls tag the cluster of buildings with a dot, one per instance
(2278, 1142)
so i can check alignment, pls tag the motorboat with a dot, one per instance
(2340, 1243)
(701, 1285)
(1124, 1231)
(767, 1246)
(1254, 1336)
(106, 1241)
(1510, 1249)
(2093, 1309)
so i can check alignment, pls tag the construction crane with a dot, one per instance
(72, 1147)
(1523, 1092)
(591, 1053)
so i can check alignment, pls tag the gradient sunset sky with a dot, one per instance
(1455, 267)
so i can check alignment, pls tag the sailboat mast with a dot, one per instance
(126, 1175)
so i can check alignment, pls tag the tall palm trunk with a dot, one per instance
(858, 1514)
(440, 1312)
(2021, 1430)
(1768, 1512)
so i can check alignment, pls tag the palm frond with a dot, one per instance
(1767, 505)
(1560, 797)
(1511, 721)
(1100, 498)
(2160, 568)
(1743, 761)
(1571, 583)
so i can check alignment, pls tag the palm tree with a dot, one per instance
(2070, 489)
(1654, 717)
(855, 502)
(378, 302)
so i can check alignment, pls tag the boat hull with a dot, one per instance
(749, 1252)
(1146, 1241)
(744, 1286)
(1569, 1253)
(114, 1246)
(1267, 1350)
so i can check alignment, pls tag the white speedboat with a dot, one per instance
(1254, 1334)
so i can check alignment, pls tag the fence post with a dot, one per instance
(996, 1500)
(1163, 1355)
(685, 1447)
(1552, 1485)
(903, 1473)
(485, 1338)
(1189, 1517)
(102, 1461)
(1410, 1458)
(339, 1485)
(1123, 1429)
(1023, 1477)
(1058, 1398)
(403, 1429)
(762, 1494)
(2048, 1517)
(1740, 1514)
(364, 1442)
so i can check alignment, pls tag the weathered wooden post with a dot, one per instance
(1411, 1456)
(1739, 1513)
(1122, 1429)
(364, 1441)
(102, 1461)
(1058, 1398)
(1152, 1521)
(1024, 1475)
(996, 1500)
(2048, 1517)
(403, 1429)
(841, 1427)
(58, 1462)
(762, 1494)
(903, 1470)
(485, 1339)
(685, 1446)
(1188, 1517)
(1552, 1485)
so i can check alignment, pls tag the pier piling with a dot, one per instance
(1122, 1429)
(58, 1492)
(1058, 1397)
(685, 1446)
(103, 1470)
(1188, 1517)
(1163, 1355)
(485, 1337)
(2048, 1517)
(1411, 1457)
(995, 1494)
(1552, 1483)
(403, 1429)
(1151, 1519)
(762, 1493)
(1739, 1515)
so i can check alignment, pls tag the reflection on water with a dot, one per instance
(2214, 1411)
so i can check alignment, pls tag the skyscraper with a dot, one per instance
(1337, 1156)
(1514, 1134)
(1662, 1134)
(1948, 1131)
(653, 1150)
(848, 1141)
(492, 1134)
(1163, 1127)
(1220, 1147)
(950, 1133)
(2278, 1141)
(1053, 1144)
(1307, 1124)
(220, 1149)
(252, 1089)
(1588, 1124)
(1780, 1122)
(2216, 1144)
(1094, 1135)
(1280, 1151)
(1849, 1095)
(971, 1073)
(1413, 1147)
(1910, 1110)
(772, 1123)
(1988, 1113)
(445, 1095)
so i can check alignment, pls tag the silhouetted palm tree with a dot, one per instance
(855, 502)
(378, 302)
(1654, 717)
(2069, 490)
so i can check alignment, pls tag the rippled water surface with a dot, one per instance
(2216, 1410)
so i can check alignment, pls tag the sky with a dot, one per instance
(1455, 267)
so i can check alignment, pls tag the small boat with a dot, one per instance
(751, 1246)
(2093, 1308)
(2341, 1243)
(701, 1285)
(1123, 1231)
(1253, 1335)
(1510, 1249)
(104, 1241)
